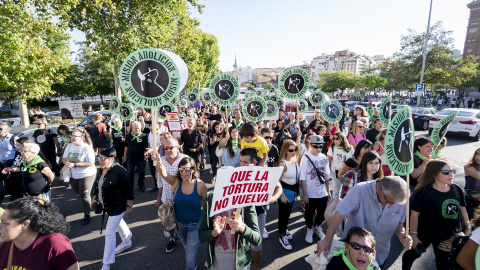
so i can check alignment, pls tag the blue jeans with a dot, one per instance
(261, 219)
(190, 242)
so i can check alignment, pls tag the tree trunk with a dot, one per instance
(101, 98)
(118, 90)
(22, 108)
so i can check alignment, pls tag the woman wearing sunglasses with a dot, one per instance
(113, 189)
(289, 181)
(189, 191)
(357, 134)
(337, 155)
(436, 205)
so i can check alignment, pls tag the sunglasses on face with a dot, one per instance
(317, 146)
(293, 150)
(268, 138)
(336, 138)
(357, 246)
(188, 169)
(360, 126)
(447, 172)
(103, 158)
(168, 148)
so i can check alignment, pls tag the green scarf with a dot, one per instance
(438, 153)
(235, 147)
(418, 154)
(65, 138)
(350, 266)
(31, 167)
(237, 124)
(136, 136)
(119, 130)
(339, 147)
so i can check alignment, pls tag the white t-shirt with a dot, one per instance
(475, 237)
(315, 189)
(150, 139)
(82, 153)
(339, 156)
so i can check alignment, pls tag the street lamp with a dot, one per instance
(425, 52)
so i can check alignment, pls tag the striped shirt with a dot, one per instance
(172, 169)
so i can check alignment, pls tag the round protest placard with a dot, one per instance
(150, 77)
(272, 90)
(115, 104)
(280, 103)
(273, 98)
(332, 111)
(441, 129)
(163, 110)
(183, 103)
(266, 97)
(385, 110)
(302, 105)
(223, 109)
(192, 97)
(259, 93)
(399, 142)
(224, 89)
(294, 83)
(317, 98)
(272, 108)
(206, 97)
(254, 108)
(195, 89)
(126, 111)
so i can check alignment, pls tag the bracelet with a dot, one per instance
(414, 233)
(468, 227)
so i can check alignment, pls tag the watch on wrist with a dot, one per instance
(130, 205)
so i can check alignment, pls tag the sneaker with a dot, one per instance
(284, 241)
(105, 266)
(319, 232)
(171, 245)
(265, 233)
(289, 236)
(123, 246)
(309, 236)
(154, 189)
(166, 233)
(86, 220)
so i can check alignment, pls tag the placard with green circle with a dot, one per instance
(254, 108)
(183, 102)
(259, 93)
(280, 103)
(317, 98)
(294, 83)
(272, 108)
(175, 101)
(115, 104)
(150, 77)
(192, 97)
(125, 111)
(196, 90)
(273, 98)
(206, 97)
(266, 97)
(272, 90)
(331, 111)
(302, 105)
(399, 142)
(164, 109)
(224, 89)
(385, 110)
(441, 128)
(223, 109)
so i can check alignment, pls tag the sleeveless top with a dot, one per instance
(471, 182)
(188, 208)
(289, 176)
(383, 158)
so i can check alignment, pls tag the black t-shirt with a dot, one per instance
(337, 263)
(136, 148)
(148, 124)
(438, 211)
(117, 137)
(190, 141)
(216, 117)
(351, 163)
(416, 163)
(212, 137)
(33, 181)
(273, 155)
(44, 138)
(372, 135)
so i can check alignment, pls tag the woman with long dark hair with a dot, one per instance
(289, 180)
(340, 151)
(314, 125)
(472, 181)
(65, 134)
(33, 234)
(379, 147)
(46, 138)
(230, 146)
(436, 205)
(422, 151)
(216, 135)
(370, 169)
(353, 162)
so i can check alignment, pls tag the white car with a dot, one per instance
(466, 123)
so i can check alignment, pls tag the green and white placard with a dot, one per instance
(385, 110)
(280, 103)
(183, 102)
(302, 105)
(151, 77)
(126, 111)
(259, 93)
(266, 97)
(223, 109)
(206, 97)
(224, 89)
(399, 142)
(192, 97)
(272, 108)
(331, 111)
(254, 108)
(163, 109)
(196, 90)
(115, 104)
(317, 98)
(273, 98)
(294, 83)
(441, 129)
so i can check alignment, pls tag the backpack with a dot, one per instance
(457, 246)
(94, 130)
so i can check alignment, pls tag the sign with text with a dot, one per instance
(243, 186)
(317, 98)
(70, 109)
(332, 111)
(399, 142)
(173, 121)
(115, 104)
(126, 111)
(254, 108)
(385, 112)
(224, 89)
(441, 129)
(294, 83)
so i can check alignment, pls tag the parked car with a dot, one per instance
(396, 108)
(5, 110)
(13, 121)
(351, 106)
(421, 117)
(107, 114)
(375, 104)
(466, 123)
(29, 132)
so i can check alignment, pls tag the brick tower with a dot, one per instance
(472, 39)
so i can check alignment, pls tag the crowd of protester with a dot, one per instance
(327, 167)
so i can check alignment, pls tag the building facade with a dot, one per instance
(472, 38)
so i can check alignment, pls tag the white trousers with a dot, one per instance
(337, 185)
(114, 223)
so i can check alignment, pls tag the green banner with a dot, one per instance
(399, 142)
(441, 129)
(302, 105)
(331, 111)
(272, 108)
(115, 104)
(126, 111)
(224, 89)
(294, 83)
(254, 109)
(385, 111)
(192, 97)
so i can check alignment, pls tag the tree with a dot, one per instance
(268, 86)
(333, 81)
(33, 47)
(251, 87)
(373, 81)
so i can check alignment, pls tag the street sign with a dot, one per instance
(419, 89)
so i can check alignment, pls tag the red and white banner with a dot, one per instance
(243, 186)
(174, 122)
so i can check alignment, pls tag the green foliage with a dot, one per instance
(268, 86)
(251, 87)
(333, 81)
(372, 81)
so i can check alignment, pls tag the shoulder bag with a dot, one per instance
(322, 176)
(166, 214)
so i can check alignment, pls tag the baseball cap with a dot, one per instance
(316, 139)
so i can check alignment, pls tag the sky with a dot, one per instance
(281, 33)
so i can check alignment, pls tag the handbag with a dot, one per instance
(218, 152)
(320, 174)
(98, 208)
(446, 245)
(166, 214)
(331, 207)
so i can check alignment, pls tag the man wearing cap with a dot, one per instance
(314, 176)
